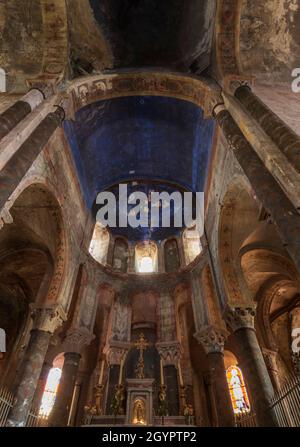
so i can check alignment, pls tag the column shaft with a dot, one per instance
(20, 162)
(18, 111)
(256, 374)
(222, 401)
(60, 413)
(285, 216)
(34, 359)
(284, 137)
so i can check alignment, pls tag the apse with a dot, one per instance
(134, 138)
(162, 143)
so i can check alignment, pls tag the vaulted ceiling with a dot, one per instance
(170, 33)
(141, 137)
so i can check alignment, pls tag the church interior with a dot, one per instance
(158, 325)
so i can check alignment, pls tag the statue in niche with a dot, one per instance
(139, 413)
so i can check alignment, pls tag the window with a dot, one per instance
(121, 255)
(146, 265)
(172, 260)
(50, 391)
(238, 392)
(146, 257)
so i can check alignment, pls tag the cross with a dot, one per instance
(142, 344)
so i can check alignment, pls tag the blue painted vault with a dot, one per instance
(140, 138)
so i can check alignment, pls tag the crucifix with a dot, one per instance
(142, 344)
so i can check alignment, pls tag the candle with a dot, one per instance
(101, 372)
(180, 375)
(162, 380)
(121, 372)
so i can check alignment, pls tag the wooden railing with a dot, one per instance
(286, 404)
(245, 420)
(6, 403)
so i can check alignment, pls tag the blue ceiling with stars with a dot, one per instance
(140, 138)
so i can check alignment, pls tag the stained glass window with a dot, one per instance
(238, 392)
(50, 391)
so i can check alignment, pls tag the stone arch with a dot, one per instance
(54, 214)
(96, 88)
(32, 260)
(239, 216)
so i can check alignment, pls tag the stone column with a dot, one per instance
(76, 340)
(284, 137)
(270, 358)
(20, 162)
(46, 320)
(241, 322)
(284, 215)
(213, 340)
(213, 414)
(18, 111)
(295, 335)
(41, 384)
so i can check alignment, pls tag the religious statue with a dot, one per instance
(139, 413)
(142, 344)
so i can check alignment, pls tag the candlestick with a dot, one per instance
(121, 371)
(162, 379)
(180, 375)
(101, 373)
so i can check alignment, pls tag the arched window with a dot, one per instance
(191, 244)
(50, 391)
(172, 260)
(121, 254)
(238, 392)
(99, 243)
(146, 257)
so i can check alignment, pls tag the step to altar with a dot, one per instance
(120, 421)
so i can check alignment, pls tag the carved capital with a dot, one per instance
(169, 351)
(233, 82)
(47, 318)
(240, 317)
(270, 358)
(212, 339)
(77, 339)
(116, 351)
